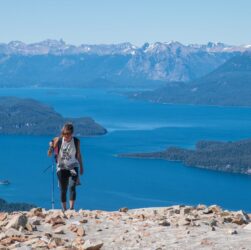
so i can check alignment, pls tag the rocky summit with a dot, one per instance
(176, 227)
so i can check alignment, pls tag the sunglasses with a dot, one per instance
(66, 133)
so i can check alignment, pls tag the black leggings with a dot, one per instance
(66, 179)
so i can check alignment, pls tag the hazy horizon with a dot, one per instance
(138, 46)
(112, 22)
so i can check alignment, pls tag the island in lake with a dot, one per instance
(30, 117)
(16, 206)
(230, 156)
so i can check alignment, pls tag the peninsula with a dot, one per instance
(30, 117)
(234, 157)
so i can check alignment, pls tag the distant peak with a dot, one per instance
(218, 44)
(159, 47)
(53, 42)
(172, 42)
(16, 43)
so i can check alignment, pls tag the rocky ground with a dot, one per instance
(176, 227)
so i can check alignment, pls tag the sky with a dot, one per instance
(135, 21)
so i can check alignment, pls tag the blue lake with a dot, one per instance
(134, 126)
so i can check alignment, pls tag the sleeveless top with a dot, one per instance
(67, 155)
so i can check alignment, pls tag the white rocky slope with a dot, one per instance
(176, 227)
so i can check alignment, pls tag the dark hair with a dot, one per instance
(68, 126)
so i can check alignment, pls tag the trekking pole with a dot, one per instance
(52, 181)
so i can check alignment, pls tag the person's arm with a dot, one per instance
(79, 158)
(52, 145)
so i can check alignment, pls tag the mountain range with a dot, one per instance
(59, 47)
(53, 63)
(229, 85)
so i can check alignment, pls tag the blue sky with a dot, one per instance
(135, 21)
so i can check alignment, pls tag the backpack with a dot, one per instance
(59, 144)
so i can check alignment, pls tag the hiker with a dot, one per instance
(69, 163)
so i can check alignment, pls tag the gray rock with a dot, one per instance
(232, 231)
(171, 213)
(123, 209)
(207, 211)
(187, 210)
(20, 220)
(213, 223)
(228, 219)
(164, 223)
(88, 245)
(36, 222)
(59, 230)
(12, 232)
(240, 218)
(183, 222)
(215, 209)
(37, 211)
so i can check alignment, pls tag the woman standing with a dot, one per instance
(69, 163)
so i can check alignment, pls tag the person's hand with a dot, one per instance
(50, 148)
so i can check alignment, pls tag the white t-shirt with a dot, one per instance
(67, 153)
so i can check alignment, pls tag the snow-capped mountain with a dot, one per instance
(59, 47)
(55, 61)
